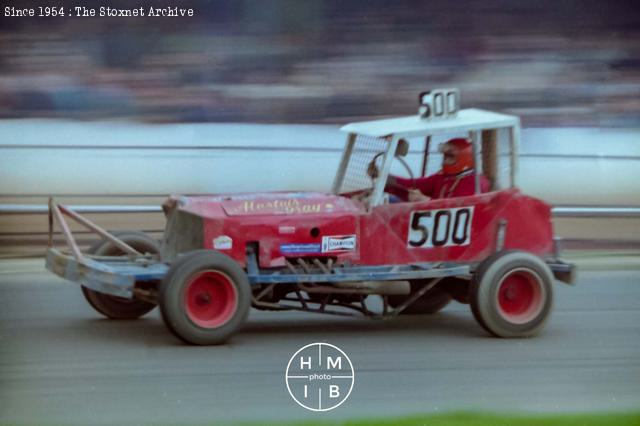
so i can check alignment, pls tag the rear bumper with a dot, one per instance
(113, 275)
(562, 271)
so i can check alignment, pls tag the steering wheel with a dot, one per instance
(372, 164)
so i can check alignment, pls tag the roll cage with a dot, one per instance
(480, 125)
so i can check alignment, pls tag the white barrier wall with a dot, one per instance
(580, 166)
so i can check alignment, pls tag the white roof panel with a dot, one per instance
(413, 125)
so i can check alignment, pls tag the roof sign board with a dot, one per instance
(410, 126)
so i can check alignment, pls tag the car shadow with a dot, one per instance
(147, 331)
(150, 331)
(443, 323)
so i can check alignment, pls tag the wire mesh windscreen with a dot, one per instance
(364, 150)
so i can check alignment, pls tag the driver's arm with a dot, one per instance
(400, 186)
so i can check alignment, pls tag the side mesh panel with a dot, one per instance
(364, 150)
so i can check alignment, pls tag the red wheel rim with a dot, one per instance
(210, 299)
(520, 296)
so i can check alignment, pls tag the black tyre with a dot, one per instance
(119, 307)
(431, 302)
(205, 297)
(511, 294)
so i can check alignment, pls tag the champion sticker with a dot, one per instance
(223, 242)
(338, 243)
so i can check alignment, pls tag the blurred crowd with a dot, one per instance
(287, 61)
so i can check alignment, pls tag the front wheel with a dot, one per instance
(511, 294)
(205, 297)
(115, 307)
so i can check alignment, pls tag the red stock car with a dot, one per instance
(330, 252)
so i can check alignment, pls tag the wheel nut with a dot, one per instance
(203, 299)
(510, 294)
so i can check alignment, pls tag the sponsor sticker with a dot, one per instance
(222, 242)
(297, 248)
(336, 243)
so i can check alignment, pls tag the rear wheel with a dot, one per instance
(432, 301)
(119, 307)
(511, 294)
(205, 297)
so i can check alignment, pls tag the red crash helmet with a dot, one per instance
(457, 156)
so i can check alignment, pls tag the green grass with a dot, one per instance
(483, 419)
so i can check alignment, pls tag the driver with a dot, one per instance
(456, 179)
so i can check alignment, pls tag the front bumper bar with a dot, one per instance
(113, 275)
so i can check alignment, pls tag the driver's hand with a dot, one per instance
(415, 195)
(372, 170)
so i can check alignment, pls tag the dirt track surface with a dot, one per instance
(62, 363)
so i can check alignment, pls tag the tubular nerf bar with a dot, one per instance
(56, 212)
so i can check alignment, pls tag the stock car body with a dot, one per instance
(330, 252)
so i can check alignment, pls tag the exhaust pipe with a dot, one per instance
(401, 288)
